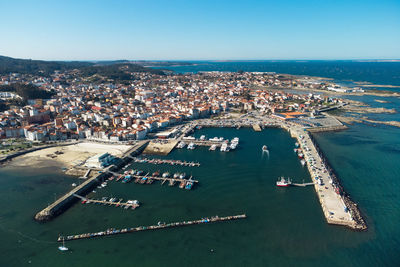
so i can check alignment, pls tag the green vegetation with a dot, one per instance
(115, 72)
(37, 67)
(27, 91)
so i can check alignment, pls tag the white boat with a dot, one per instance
(224, 147)
(213, 148)
(63, 247)
(233, 146)
(74, 184)
(181, 145)
(203, 137)
(165, 174)
(191, 146)
(264, 148)
(303, 162)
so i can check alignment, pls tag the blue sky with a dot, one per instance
(201, 29)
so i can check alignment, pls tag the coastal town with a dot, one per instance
(112, 112)
(96, 130)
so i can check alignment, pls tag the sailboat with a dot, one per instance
(63, 247)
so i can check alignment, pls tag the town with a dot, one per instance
(115, 112)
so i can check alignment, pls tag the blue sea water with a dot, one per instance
(284, 227)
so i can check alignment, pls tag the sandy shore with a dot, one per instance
(67, 156)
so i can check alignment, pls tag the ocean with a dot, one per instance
(285, 226)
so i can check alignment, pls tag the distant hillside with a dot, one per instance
(28, 66)
(105, 70)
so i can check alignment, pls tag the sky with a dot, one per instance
(200, 29)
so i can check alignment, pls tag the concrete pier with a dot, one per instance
(64, 202)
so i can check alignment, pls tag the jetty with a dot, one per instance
(159, 226)
(166, 161)
(129, 204)
(336, 205)
(303, 184)
(67, 200)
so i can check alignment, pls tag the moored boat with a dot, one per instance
(283, 182)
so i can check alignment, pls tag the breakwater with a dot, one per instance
(159, 226)
(350, 204)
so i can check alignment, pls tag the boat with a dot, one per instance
(213, 148)
(233, 146)
(74, 184)
(189, 185)
(283, 182)
(224, 147)
(182, 184)
(202, 138)
(296, 145)
(63, 247)
(303, 162)
(165, 174)
(182, 176)
(181, 145)
(264, 148)
(191, 146)
(176, 175)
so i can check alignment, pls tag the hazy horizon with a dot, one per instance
(206, 30)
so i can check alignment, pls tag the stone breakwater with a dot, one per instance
(350, 204)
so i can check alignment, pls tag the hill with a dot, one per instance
(37, 67)
(118, 70)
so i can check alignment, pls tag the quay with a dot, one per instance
(336, 205)
(67, 200)
(129, 204)
(159, 226)
(166, 161)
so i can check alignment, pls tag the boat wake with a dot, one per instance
(26, 236)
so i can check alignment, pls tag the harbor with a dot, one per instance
(159, 226)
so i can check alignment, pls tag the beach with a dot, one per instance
(67, 156)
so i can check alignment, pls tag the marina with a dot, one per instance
(166, 161)
(132, 204)
(149, 179)
(159, 226)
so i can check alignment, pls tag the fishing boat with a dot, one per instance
(283, 182)
(63, 247)
(264, 148)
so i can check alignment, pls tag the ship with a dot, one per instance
(264, 148)
(283, 182)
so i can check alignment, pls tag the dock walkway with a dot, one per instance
(159, 226)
